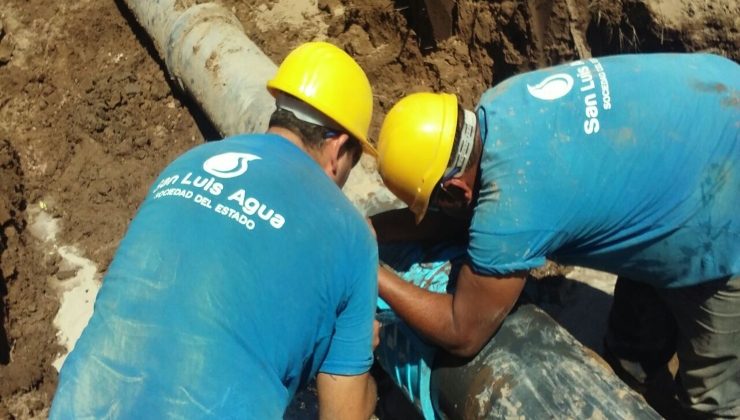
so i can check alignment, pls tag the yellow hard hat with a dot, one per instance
(327, 78)
(414, 146)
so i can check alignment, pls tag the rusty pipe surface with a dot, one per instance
(533, 368)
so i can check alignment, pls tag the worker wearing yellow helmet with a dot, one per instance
(246, 271)
(625, 164)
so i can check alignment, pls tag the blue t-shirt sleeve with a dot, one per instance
(350, 351)
(511, 229)
(500, 252)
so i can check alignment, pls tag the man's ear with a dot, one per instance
(331, 152)
(460, 189)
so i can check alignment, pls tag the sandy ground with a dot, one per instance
(88, 117)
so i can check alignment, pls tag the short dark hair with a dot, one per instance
(311, 135)
(354, 148)
(314, 135)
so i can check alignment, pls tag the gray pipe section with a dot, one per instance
(210, 57)
(207, 52)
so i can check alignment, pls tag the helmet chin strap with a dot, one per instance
(465, 146)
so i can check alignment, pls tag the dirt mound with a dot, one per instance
(27, 337)
(88, 116)
(663, 25)
(87, 120)
(11, 223)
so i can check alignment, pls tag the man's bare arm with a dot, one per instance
(462, 323)
(346, 397)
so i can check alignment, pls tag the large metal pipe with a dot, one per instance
(207, 52)
(531, 368)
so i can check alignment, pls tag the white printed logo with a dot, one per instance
(228, 165)
(553, 87)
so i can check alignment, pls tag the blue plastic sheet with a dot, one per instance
(403, 354)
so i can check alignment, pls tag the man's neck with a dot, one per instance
(288, 135)
(294, 138)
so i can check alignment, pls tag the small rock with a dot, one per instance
(141, 142)
(140, 154)
(507, 9)
(65, 269)
(8, 268)
(131, 89)
(360, 43)
(10, 234)
(6, 52)
(159, 142)
(114, 100)
(66, 273)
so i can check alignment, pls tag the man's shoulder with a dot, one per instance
(264, 141)
(236, 152)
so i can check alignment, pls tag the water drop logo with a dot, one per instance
(553, 87)
(228, 165)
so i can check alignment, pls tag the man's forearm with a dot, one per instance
(371, 397)
(463, 322)
(346, 397)
(429, 313)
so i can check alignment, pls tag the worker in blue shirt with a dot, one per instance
(626, 164)
(245, 273)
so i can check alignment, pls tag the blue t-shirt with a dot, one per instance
(627, 164)
(245, 271)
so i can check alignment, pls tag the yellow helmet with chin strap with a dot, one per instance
(414, 146)
(329, 80)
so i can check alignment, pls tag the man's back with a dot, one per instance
(235, 283)
(625, 164)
